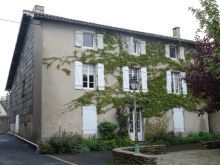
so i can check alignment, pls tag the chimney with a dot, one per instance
(176, 32)
(38, 9)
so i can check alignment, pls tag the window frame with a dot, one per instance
(88, 75)
(136, 46)
(176, 84)
(176, 51)
(138, 77)
(93, 39)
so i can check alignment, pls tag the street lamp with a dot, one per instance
(134, 87)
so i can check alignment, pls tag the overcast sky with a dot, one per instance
(153, 16)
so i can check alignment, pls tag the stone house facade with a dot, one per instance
(39, 92)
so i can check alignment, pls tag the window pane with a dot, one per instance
(87, 39)
(91, 85)
(131, 121)
(172, 52)
(175, 82)
(85, 84)
(133, 74)
(91, 78)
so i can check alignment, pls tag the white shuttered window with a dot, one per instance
(144, 79)
(101, 79)
(125, 71)
(100, 43)
(85, 76)
(89, 119)
(178, 120)
(78, 75)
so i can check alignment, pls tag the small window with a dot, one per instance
(23, 88)
(134, 73)
(175, 82)
(137, 47)
(88, 76)
(173, 52)
(88, 39)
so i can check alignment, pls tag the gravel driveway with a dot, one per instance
(192, 157)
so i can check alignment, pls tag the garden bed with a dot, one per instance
(147, 154)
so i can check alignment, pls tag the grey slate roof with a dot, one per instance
(28, 15)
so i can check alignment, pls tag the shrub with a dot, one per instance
(66, 142)
(95, 144)
(107, 130)
(155, 129)
(45, 147)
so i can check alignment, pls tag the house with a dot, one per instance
(73, 75)
(2, 110)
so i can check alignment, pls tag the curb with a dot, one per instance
(27, 141)
(36, 146)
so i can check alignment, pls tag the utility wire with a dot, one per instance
(12, 21)
(7, 20)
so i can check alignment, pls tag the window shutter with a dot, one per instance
(78, 75)
(184, 86)
(178, 120)
(182, 53)
(101, 78)
(78, 38)
(143, 47)
(89, 119)
(169, 89)
(144, 79)
(125, 71)
(17, 123)
(100, 44)
(167, 50)
(130, 43)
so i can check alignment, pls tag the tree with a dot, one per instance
(203, 73)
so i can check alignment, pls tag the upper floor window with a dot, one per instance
(136, 46)
(134, 73)
(140, 74)
(89, 76)
(176, 82)
(88, 39)
(175, 52)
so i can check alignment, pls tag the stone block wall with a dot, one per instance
(4, 125)
(211, 144)
(145, 157)
(22, 88)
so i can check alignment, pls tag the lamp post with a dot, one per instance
(134, 86)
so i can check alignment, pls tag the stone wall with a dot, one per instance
(145, 157)
(4, 125)
(211, 144)
(21, 92)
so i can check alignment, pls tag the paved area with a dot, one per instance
(15, 152)
(90, 158)
(191, 157)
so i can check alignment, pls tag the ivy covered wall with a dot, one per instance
(114, 56)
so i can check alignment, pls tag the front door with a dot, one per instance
(132, 124)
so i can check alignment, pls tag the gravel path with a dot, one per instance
(192, 157)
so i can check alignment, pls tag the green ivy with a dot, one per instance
(153, 103)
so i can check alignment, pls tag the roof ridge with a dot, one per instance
(75, 21)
